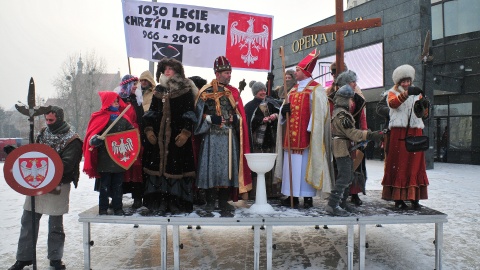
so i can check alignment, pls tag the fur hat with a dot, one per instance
(221, 64)
(342, 96)
(198, 81)
(307, 65)
(345, 91)
(256, 87)
(402, 72)
(346, 77)
(171, 62)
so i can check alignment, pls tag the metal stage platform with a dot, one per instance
(373, 211)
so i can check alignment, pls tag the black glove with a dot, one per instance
(347, 123)
(9, 148)
(216, 120)
(376, 136)
(270, 76)
(420, 106)
(96, 141)
(285, 109)
(241, 85)
(413, 90)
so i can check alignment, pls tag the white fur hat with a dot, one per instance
(402, 72)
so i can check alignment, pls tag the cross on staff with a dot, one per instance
(338, 28)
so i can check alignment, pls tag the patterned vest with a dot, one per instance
(299, 119)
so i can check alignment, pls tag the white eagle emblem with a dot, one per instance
(249, 39)
(123, 148)
(36, 173)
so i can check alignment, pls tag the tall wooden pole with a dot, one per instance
(340, 46)
(287, 128)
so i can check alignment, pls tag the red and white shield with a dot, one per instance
(123, 147)
(33, 170)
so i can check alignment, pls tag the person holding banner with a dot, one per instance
(60, 136)
(169, 125)
(306, 142)
(223, 128)
(99, 162)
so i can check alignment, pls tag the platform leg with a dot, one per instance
(256, 247)
(350, 245)
(269, 230)
(86, 245)
(163, 246)
(176, 247)
(361, 245)
(438, 245)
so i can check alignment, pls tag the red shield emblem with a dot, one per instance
(123, 147)
(33, 170)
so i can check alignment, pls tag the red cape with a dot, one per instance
(97, 123)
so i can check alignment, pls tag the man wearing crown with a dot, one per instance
(222, 167)
(306, 142)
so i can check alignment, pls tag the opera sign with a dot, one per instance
(33, 169)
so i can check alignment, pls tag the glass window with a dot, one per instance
(461, 17)
(437, 22)
(441, 110)
(461, 133)
(461, 109)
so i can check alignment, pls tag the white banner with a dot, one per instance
(197, 35)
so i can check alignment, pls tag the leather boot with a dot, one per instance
(223, 196)
(172, 205)
(286, 202)
(19, 265)
(210, 198)
(400, 204)
(356, 200)
(162, 207)
(307, 202)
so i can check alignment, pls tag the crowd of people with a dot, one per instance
(187, 137)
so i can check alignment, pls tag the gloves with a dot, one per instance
(152, 139)
(347, 123)
(285, 109)
(270, 76)
(160, 88)
(9, 148)
(182, 137)
(376, 136)
(413, 90)
(420, 108)
(216, 120)
(96, 141)
(241, 85)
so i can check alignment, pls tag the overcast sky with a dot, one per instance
(38, 36)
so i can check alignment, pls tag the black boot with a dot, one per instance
(172, 204)
(57, 264)
(223, 196)
(415, 204)
(286, 202)
(162, 207)
(210, 198)
(356, 200)
(399, 204)
(19, 265)
(307, 202)
(137, 203)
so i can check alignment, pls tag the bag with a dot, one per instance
(416, 143)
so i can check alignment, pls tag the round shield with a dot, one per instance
(33, 169)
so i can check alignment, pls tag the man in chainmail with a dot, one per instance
(60, 136)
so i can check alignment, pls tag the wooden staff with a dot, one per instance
(229, 154)
(287, 129)
(102, 137)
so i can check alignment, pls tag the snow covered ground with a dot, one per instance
(454, 190)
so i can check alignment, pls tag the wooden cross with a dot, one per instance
(338, 28)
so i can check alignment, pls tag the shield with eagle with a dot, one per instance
(123, 147)
(33, 170)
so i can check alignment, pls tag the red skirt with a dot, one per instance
(405, 175)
